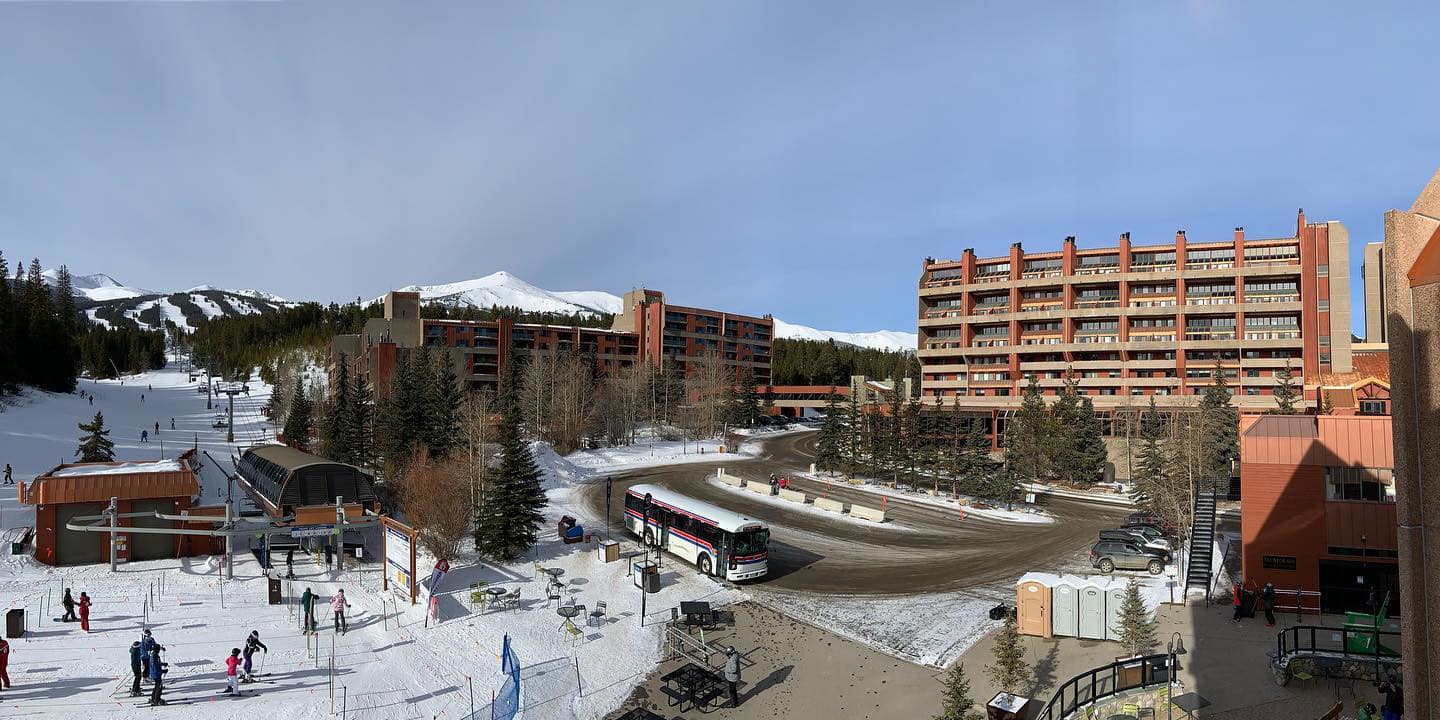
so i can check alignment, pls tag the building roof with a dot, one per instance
(98, 482)
(1326, 440)
(287, 457)
(1367, 366)
(281, 476)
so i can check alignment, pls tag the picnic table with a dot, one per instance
(693, 684)
(697, 613)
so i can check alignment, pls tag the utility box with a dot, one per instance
(15, 623)
(274, 587)
(608, 550)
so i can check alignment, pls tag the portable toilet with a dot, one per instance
(1092, 608)
(1114, 599)
(1032, 604)
(1065, 606)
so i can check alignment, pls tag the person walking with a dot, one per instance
(1267, 596)
(157, 427)
(732, 674)
(1238, 601)
(9, 476)
(232, 679)
(307, 605)
(338, 605)
(157, 669)
(69, 603)
(91, 399)
(4, 663)
(1394, 707)
(172, 423)
(329, 555)
(84, 611)
(252, 644)
(135, 668)
(290, 564)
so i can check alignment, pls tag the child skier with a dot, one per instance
(232, 681)
(338, 604)
(252, 644)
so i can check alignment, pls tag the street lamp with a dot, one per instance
(1176, 646)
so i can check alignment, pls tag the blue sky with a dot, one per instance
(799, 158)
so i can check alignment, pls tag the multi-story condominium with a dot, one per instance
(481, 350)
(685, 333)
(1136, 321)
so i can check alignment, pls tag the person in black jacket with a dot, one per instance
(252, 644)
(157, 670)
(1394, 707)
(1267, 596)
(69, 603)
(135, 668)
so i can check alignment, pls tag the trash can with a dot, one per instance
(275, 597)
(15, 622)
(609, 551)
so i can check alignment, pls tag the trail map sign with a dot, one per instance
(399, 552)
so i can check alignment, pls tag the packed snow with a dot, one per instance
(123, 468)
(207, 306)
(1026, 513)
(93, 314)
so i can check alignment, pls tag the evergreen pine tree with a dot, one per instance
(978, 468)
(1009, 669)
(359, 437)
(1152, 466)
(1136, 626)
(854, 447)
(299, 420)
(1285, 392)
(8, 341)
(1220, 425)
(1324, 407)
(1090, 454)
(956, 704)
(335, 421)
(512, 514)
(95, 444)
(829, 446)
(1062, 443)
(1028, 436)
(446, 396)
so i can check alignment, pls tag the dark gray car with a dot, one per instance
(1110, 554)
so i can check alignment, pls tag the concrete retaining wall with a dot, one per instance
(834, 506)
(793, 496)
(723, 477)
(865, 513)
(757, 487)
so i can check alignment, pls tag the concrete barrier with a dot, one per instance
(728, 479)
(834, 506)
(757, 487)
(793, 496)
(865, 513)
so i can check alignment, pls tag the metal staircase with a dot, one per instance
(1202, 544)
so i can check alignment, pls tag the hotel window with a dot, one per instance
(1357, 483)
(1322, 305)
(1322, 270)
(1324, 340)
(1372, 407)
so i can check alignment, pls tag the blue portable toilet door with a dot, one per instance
(1064, 611)
(1092, 613)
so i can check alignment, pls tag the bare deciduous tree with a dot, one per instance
(707, 386)
(477, 417)
(434, 502)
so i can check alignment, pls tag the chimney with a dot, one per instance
(1070, 239)
(1125, 235)
(1240, 234)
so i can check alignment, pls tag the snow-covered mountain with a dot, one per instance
(503, 288)
(880, 339)
(98, 287)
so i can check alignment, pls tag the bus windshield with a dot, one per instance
(752, 542)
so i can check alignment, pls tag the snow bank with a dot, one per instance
(1029, 513)
(124, 468)
(660, 452)
(808, 507)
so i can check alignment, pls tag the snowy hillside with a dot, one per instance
(98, 287)
(502, 288)
(880, 339)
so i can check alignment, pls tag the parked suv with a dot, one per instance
(1110, 554)
(1159, 546)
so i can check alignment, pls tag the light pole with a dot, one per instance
(1176, 646)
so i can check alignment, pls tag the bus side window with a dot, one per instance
(632, 502)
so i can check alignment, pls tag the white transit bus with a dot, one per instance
(716, 540)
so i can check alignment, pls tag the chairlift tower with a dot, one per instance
(230, 390)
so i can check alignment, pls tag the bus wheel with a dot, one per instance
(649, 538)
(705, 566)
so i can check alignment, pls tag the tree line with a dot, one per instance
(37, 330)
(817, 362)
